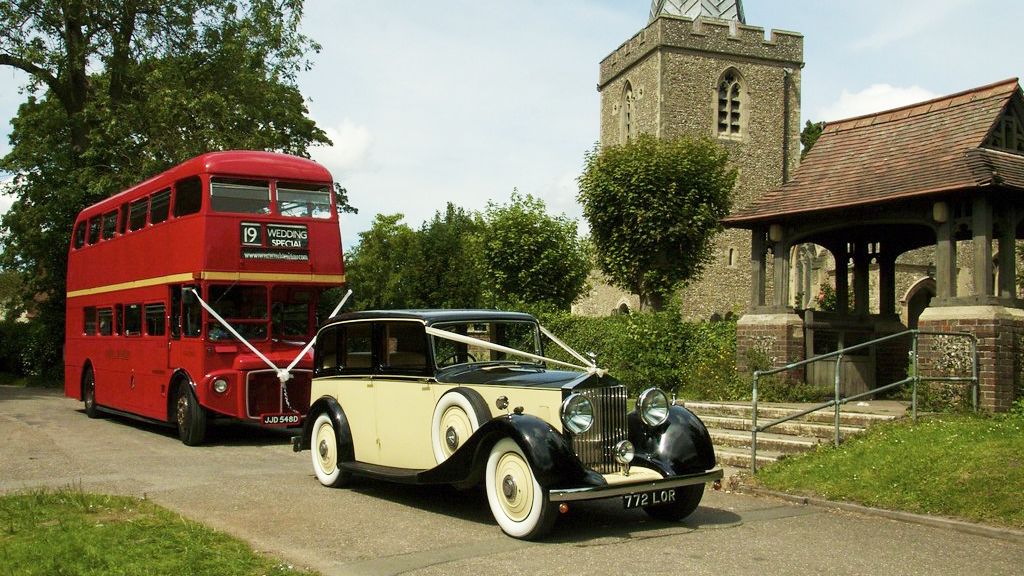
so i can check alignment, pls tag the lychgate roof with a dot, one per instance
(721, 9)
(942, 145)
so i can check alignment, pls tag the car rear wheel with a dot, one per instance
(687, 499)
(191, 417)
(518, 502)
(324, 446)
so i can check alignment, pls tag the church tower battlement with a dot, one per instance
(729, 39)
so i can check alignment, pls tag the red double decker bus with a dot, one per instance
(190, 293)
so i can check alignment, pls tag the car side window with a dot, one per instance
(356, 347)
(405, 347)
(327, 352)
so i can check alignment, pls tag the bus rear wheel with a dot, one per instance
(191, 416)
(89, 394)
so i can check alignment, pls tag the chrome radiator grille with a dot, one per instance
(595, 447)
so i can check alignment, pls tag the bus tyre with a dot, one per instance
(518, 502)
(687, 499)
(190, 415)
(324, 446)
(89, 394)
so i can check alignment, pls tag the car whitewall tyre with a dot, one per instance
(323, 444)
(455, 419)
(518, 502)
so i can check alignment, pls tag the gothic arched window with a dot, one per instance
(731, 105)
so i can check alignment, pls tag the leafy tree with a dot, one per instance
(809, 135)
(448, 267)
(379, 268)
(654, 207)
(531, 257)
(121, 90)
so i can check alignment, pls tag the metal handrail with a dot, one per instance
(838, 401)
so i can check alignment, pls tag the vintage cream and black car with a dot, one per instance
(462, 396)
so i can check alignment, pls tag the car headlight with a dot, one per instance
(653, 407)
(577, 414)
(220, 385)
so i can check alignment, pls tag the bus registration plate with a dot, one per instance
(288, 419)
(652, 498)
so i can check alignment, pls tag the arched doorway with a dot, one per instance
(917, 298)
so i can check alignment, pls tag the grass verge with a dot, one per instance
(70, 532)
(964, 466)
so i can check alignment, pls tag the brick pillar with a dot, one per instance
(999, 330)
(778, 338)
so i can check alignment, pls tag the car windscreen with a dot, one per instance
(521, 336)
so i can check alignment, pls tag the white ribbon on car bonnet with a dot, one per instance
(283, 374)
(590, 367)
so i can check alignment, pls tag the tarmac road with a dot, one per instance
(249, 483)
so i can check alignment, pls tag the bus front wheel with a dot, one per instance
(190, 415)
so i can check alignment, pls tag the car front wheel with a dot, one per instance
(324, 446)
(687, 499)
(518, 502)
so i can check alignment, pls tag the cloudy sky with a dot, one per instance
(464, 101)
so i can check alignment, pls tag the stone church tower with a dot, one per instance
(698, 70)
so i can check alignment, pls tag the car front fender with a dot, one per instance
(550, 456)
(681, 445)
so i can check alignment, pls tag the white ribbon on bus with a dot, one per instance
(283, 374)
(588, 367)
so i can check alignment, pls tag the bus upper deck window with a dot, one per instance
(188, 196)
(238, 195)
(137, 214)
(80, 235)
(160, 206)
(304, 200)
(94, 229)
(110, 225)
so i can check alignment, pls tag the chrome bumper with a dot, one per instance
(595, 492)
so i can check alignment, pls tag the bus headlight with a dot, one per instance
(220, 385)
(653, 407)
(577, 414)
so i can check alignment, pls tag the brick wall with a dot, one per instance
(999, 331)
(779, 337)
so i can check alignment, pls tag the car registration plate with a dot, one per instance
(652, 498)
(288, 419)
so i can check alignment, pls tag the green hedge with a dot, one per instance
(691, 359)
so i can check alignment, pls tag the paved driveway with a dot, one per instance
(249, 483)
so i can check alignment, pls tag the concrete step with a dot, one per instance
(793, 428)
(767, 413)
(739, 458)
(781, 443)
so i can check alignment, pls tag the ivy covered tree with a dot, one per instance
(654, 207)
(448, 267)
(532, 257)
(121, 90)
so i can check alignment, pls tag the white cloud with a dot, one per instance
(350, 149)
(874, 98)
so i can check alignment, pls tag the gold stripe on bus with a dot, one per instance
(224, 276)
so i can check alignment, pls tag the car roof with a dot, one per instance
(434, 316)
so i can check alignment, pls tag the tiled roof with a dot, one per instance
(916, 150)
